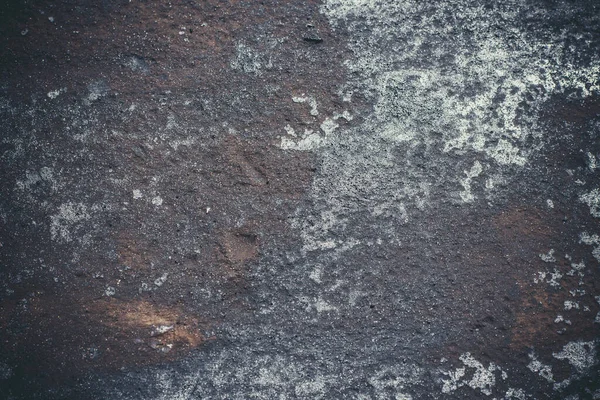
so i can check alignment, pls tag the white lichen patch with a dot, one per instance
(540, 276)
(591, 240)
(55, 93)
(577, 292)
(309, 140)
(577, 268)
(537, 367)
(246, 60)
(316, 273)
(329, 126)
(592, 163)
(393, 382)
(592, 199)
(289, 130)
(249, 60)
(157, 201)
(466, 195)
(161, 329)
(548, 257)
(68, 216)
(33, 178)
(559, 318)
(310, 389)
(555, 277)
(161, 280)
(172, 123)
(187, 142)
(513, 393)
(415, 101)
(482, 379)
(454, 380)
(310, 100)
(137, 194)
(136, 64)
(439, 105)
(319, 305)
(581, 355)
(96, 90)
(571, 305)
(355, 295)
(244, 374)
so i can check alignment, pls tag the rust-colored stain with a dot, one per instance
(521, 223)
(239, 246)
(247, 172)
(225, 194)
(535, 325)
(106, 333)
(523, 234)
(236, 248)
(133, 252)
(534, 318)
(151, 324)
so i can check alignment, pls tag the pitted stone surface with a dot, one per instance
(332, 199)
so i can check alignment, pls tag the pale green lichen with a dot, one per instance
(543, 370)
(310, 100)
(69, 215)
(591, 240)
(455, 86)
(466, 195)
(474, 375)
(592, 199)
(581, 355)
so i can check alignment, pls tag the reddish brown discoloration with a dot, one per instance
(524, 233)
(147, 323)
(226, 193)
(534, 318)
(520, 222)
(238, 247)
(134, 252)
(99, 333)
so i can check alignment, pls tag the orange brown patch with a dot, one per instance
(133, 252)
(238, 154)
(534, 320)
(97, 333)
(517, 223)
(237, 247)
(523, 234)
(155, 325)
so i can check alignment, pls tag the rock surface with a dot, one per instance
(334, 199)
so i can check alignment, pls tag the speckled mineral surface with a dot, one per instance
(336, 199)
